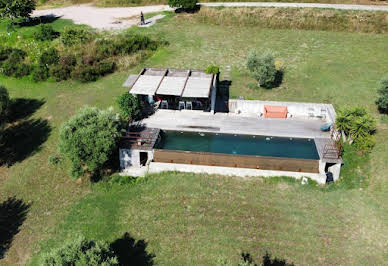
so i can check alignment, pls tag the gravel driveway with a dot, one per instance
(101, 18)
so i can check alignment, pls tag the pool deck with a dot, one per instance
(235, 124)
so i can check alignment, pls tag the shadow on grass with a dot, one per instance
(267, 260)
(132, 252)
(22, 140)
(13, 213)
(37, 20)
(21, 108)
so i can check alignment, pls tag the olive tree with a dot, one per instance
(382, 101)
(262, 68)
(16, 8)
(88, 139)
(80, 251)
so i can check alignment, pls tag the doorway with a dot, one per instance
(143, 158)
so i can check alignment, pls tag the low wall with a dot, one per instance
(236, 161)
(295, 109)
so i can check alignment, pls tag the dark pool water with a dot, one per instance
(239, 144)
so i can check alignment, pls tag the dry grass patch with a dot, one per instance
(296, 18)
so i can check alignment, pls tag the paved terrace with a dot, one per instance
(235, 124)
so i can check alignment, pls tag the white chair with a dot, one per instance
(181, 105)
(189, 105)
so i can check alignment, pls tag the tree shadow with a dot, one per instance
(267, 261)
(188, 10)
(132, 252)
(278, 79)
(21, 108)
(13, 213)
(22, 140)
(30, 22)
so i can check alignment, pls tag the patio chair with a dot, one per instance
(164, 104)
(181, 105)
(189, 105)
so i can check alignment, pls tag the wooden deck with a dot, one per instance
(327, 150)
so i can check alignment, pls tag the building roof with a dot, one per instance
(176, 82)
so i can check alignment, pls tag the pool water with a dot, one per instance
(238, 144)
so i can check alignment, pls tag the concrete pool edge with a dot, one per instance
(156, 167)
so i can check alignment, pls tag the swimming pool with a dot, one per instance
(238, 144)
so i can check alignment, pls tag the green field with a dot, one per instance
(198, 219)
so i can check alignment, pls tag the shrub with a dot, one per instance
(129, 106)
(88, 140)
(80, 251)
(60, 73)
(45, 33)
(15, 70)
(356, 126)
(365, 143)
(382, 101)
(262, 68)
(105, 67)
(40, 73)
(212, 69)
(128, 44)
(68, 61)
(106, 48)
(54, 159)
(16, 8)
(4, 103)
(185, 4)
(75, 35)
(4, 53)
(85, 73)
(49, 57)
(16, 56)
(22, 70)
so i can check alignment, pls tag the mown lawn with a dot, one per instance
(194, 219)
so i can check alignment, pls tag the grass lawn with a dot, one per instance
(197, 219)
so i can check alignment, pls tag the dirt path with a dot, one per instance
(125, 17)
(101, 18)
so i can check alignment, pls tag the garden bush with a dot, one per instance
(80, 251)
(105, 67)
(130, 43)
(382, 101)
(129, 106)
(16, 56)
(185, 4)
(262, 68)
(356, 127)
(75, 35)
(4, 53)
(212, 69)
(60, 73)
(40, 73)
(16, 70)
(22, 70)
(16, 8)
(49, 57)
(45, 33)
(88, 140)
(85, 73)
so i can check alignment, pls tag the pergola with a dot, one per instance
(175, 88)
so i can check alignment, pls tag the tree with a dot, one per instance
(129, 106)
(185, 4)
(88, 139)
(262, 68)
(4, 103)
(80, 251)
(382, 101)
(16, 8)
